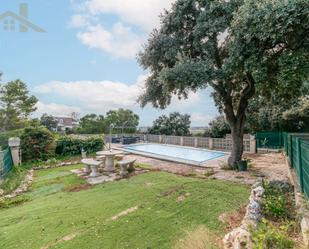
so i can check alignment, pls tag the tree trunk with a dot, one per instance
(237, 146)
(237, 124)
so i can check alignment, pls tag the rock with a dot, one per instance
(1, 192)
(239, 238)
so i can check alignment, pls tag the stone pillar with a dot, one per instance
(14, 144)
(211, 143)
(252, 144)
(195, 142)
(181, 141)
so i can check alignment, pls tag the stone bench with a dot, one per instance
(91, 165)
(119, 157)
(124, 166)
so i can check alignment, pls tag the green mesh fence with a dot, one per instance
(296, 146)
(270, 140)
(304, 165)
(6, 162)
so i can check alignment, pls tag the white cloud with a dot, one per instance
(120, 41)
(136, 19)
(78, 21)
(140, 13)
(102, 96)
(200, 119)
(54, 109)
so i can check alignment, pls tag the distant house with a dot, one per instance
(12, 20)
(65, 123)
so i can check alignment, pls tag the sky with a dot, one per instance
(85, 61)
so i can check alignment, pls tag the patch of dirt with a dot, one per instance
(124, 213)
(272, 165)
(182, 197)
(149, 184)
(78, 188)
(200, 238)
(63, 239)
(233, 219)
(172, 191)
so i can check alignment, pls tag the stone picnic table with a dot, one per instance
(110, 155)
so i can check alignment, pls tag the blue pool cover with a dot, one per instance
(174, 153)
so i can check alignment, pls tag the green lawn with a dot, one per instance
(83, 218)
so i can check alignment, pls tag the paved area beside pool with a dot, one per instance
(270, 166)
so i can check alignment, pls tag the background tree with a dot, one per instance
(237, 47)
(298, 115)
(175, 124)
(123, 118)
(92, 124)
(218, 128)
(49, 121)
(15, 105)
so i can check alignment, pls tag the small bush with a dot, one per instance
(268, 236)
(37, 143)
(67, 145)
(18, 200)
(277, 202)
(13, 179)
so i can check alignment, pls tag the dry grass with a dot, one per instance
(200, 238)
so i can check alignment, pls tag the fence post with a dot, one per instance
(211, 143)
(14, 144)
(181, 141)
(300, 166)
(252, 144)
(1, 163)
(195, 142)
(160, 139)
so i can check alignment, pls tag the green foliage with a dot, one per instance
(218, 128)
(68, 145)
(13, 179)
(123, 118)
(12, 202)
(269, 236)
(240, 48)
(4, 136)
(37, 143)
(15, 105)
(298, 115)
(49, 122)
(92, 124)
(175, 124)
(277, 202)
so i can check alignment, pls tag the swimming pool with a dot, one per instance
(174, 153)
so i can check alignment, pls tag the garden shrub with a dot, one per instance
(37, 143)
(278, 201)
(269, 236)
(67, 145)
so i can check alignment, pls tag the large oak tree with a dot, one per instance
(240, 48)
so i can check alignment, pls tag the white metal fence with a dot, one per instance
(224, 144)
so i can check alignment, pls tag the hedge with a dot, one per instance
(37, 143)
(69, 146)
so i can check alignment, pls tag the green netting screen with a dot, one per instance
(270, 140)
